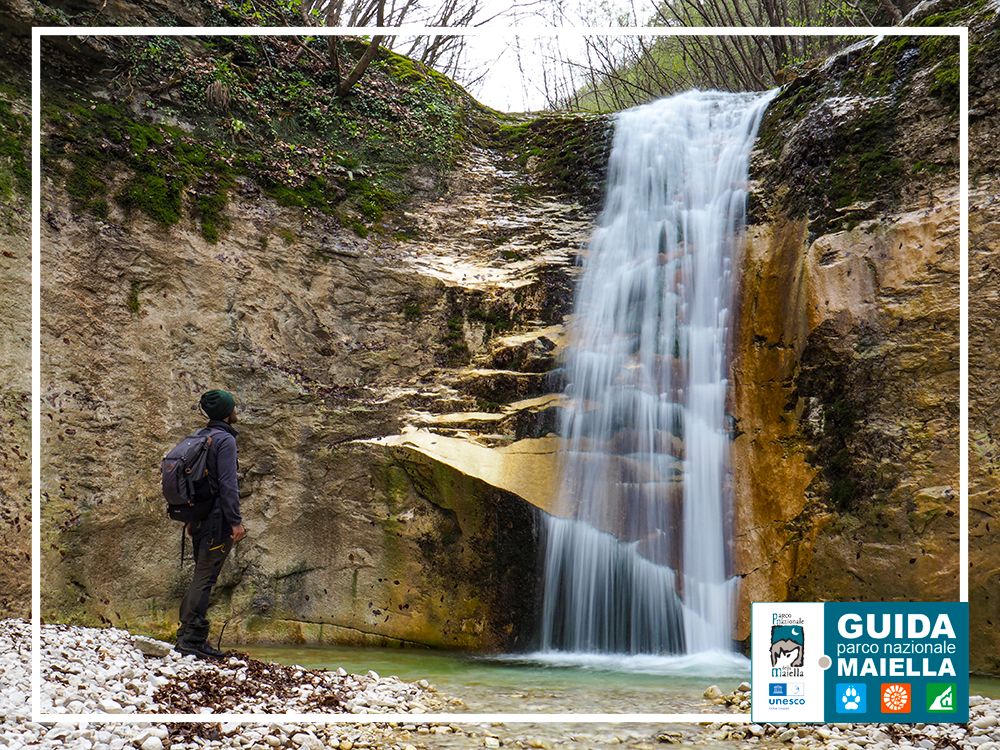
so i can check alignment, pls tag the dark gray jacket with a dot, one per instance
(222, 466)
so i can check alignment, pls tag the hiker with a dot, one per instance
(214, 536)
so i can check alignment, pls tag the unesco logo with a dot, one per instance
(786, 694)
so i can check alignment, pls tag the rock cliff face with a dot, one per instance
(15, 340)
(846, 368)
(984, 297)
(392, 325)
(845, 371)
(331, 342)
(392, 346)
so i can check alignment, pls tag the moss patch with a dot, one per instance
(568, 152)
(166, 168)
(834, 140)
(245, 115)
(132, 300)
(867, 168)
(15, 132)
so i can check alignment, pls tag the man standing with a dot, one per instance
(213, 537)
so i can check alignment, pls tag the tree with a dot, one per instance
(334, 14)
(443, 53)
(616, 72)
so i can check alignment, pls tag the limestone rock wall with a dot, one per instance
(845, 464)
(984, 339)
(379, 351)
(15, 346)
(330, 341)
(846, 374)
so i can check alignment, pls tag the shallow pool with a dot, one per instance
(542, 682)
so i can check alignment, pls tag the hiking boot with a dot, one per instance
(203, 650)
(188, 649)
(207, 649)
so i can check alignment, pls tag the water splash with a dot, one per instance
(640, 562)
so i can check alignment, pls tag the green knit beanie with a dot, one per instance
(218, 404)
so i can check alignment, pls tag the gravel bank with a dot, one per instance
(982, 731)
(90, 669)
(109, 670)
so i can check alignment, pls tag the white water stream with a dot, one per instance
(640, 562)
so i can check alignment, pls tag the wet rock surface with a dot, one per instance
(845, 368)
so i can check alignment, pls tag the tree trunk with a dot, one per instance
(345, 85)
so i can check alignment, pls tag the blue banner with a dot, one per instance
(857, 662)
(897, 662)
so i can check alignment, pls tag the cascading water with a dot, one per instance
(640, 562)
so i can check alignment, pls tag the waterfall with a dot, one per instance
(639, 562)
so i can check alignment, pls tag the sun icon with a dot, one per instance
(895, 697)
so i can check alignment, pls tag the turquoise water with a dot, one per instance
(580, 684)
(988, 686)
(574, 683)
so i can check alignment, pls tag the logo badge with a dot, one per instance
(941, 697)
(852, 697)
(777, 688)
(896, 698)
(787, 646)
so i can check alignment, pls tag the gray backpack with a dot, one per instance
(184, 475)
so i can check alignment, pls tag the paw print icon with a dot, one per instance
(852, 697)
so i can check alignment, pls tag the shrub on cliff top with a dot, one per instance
(347, 157)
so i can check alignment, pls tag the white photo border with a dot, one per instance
(38, 32)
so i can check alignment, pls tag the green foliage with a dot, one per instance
(162, 163)
(282, 126)
(15, 172)
(132, 301)
(570, 151)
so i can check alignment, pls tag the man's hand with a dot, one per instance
(238, 533)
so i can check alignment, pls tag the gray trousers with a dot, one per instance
(209, 555)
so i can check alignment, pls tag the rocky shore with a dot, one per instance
(110, 670)
(982, 731)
